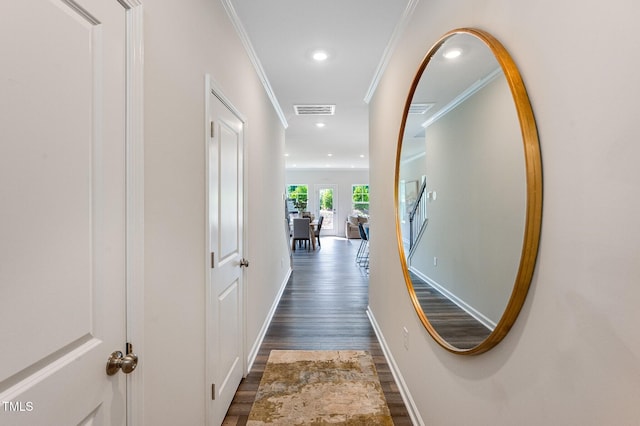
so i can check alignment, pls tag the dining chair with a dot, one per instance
(301, 231)
(316, 232)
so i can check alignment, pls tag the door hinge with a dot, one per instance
(213, 130)
(213, 391)
(213, 260)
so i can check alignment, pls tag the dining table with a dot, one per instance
(312, 233)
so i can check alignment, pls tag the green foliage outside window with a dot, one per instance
(299, 195)
(326, 199)
(360, 198)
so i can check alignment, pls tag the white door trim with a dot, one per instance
(212, 87)
(135, 204)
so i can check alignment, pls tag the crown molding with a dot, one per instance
(391, 47)
(130, 4)
(412, 158)
(246, 42)
(467, 93)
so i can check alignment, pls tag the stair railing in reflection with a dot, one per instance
(418, 218)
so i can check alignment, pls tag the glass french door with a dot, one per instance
(326, 202)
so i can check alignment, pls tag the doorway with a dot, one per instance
(68, 242)
(225, 263)
(327, 206)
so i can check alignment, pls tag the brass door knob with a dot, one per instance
(117, 361)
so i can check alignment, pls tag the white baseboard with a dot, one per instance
(253, 353)
(414, 414)
(479, 316)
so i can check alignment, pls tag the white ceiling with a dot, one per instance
(448, 83)
(355, 33)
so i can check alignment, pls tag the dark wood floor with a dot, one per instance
(450, 321)
(323, 307)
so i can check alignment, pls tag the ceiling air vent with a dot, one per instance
(419, 108)
(315, 109)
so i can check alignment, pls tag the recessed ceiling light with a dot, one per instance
(320, 55)
(329, 155)
(320, 125)
(361, 155)
(452, 53)
(286, 155)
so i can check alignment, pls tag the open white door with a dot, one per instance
(225, 325)
(62, 191)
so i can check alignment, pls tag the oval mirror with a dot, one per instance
(468, 192)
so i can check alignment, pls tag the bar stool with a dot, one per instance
(362, 257)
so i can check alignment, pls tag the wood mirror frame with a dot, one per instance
(533, 208)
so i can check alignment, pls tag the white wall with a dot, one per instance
(184, 41)
(573, 355)
(344, 179)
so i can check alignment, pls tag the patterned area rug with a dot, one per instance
(320, 388)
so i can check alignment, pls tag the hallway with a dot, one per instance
(323, 307)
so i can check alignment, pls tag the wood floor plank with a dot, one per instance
(323, 307)
(450, 321)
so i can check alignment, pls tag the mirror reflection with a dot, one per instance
(462, 194)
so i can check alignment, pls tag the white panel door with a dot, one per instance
(62, 223)
(224, 310)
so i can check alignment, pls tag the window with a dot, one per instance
(298, 193)
(360, 198)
